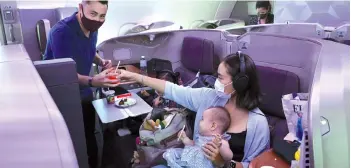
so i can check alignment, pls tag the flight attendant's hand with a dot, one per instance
(104, 79)
(106, 64)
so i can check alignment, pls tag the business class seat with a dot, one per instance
(347, 42)
(217, 24)
(197, 55)
(42, 31)
(341, 34)
(59, 76)
(64, 12)
(274, 84)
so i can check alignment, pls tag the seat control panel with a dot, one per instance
(9, 14)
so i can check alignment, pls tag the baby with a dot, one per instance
(215, 121)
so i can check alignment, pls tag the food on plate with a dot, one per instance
(123, 101)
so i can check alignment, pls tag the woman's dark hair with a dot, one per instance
(263, 4)
(251, 97)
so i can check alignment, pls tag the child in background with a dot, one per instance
(154, 99)
(215, 121)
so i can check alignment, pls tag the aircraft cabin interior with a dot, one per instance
(142, 84)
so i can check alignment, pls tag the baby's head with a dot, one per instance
(215, 120)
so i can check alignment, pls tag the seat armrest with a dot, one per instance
(268, 158)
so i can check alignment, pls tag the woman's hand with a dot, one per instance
(106, 64)
(218, 140)
(212, 153)
(157, 84)
(127, 75)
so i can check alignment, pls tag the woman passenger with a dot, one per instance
(264, 13)
(237, 90)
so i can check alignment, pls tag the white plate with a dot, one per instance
(130, 102)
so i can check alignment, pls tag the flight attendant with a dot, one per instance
(76, 37)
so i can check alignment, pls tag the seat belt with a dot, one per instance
(194, 81)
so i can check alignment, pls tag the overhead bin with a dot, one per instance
(133, 27)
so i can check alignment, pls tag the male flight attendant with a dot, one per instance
(76, 37)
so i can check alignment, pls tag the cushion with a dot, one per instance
(198, 54)
(274, 84)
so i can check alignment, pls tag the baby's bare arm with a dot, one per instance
(225, 151)
(187, 141)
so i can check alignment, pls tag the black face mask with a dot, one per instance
(91, 25)
(262, 15)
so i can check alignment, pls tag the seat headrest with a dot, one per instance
(275, 83)
(64, 12)
(198, 54)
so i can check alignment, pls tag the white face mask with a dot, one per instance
(219, 86)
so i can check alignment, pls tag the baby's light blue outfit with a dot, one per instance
(199, 99)
(191, 156)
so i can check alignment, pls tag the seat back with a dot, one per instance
(64, 12)
(42, 31)
(347, 42)
(60, 78)
(275, 83)
(197, 55)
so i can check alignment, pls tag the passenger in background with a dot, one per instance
(264, 15)
(237, 90)
(76, 37)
